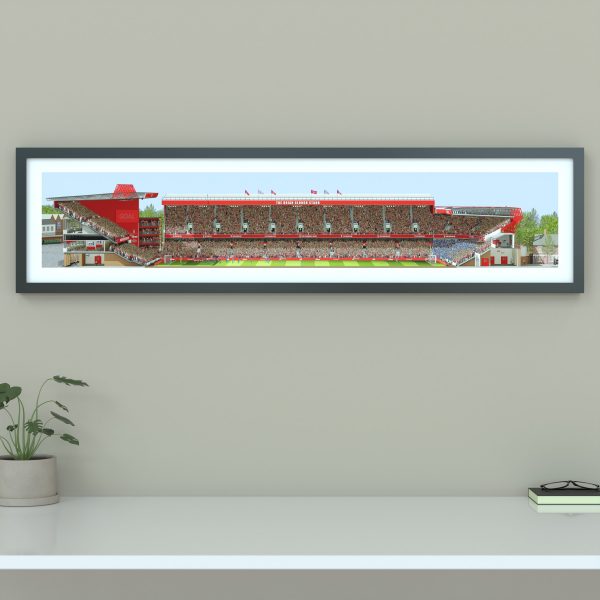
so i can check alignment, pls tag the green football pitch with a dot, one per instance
(234, 264)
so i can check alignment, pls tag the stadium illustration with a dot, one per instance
(315, 229)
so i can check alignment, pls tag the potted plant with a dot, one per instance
(28, 478)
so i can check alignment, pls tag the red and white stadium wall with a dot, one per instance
(122, 212)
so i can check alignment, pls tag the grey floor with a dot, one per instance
(52, 255)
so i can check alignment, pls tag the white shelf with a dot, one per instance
(296, 533)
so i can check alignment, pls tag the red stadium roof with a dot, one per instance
(480, 211)
(299, 200)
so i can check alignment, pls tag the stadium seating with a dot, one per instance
(141, 256)
(455, 252)
(370, 219)
(257, 218)
(88, 217)
(346, 221)
(312, 219)
(339, 218)
(202, 249)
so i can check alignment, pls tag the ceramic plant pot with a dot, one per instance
(28, 482)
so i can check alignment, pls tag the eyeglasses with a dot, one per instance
(563, 485)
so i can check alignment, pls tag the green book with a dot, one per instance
(568, 496)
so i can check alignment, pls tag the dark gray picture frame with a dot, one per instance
(576, 155)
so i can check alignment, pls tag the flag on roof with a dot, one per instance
(272, 192)
(340, 193)
(260, 192)
(325, 192)
(313, 191)
(246, 192)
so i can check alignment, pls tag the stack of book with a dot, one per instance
(567, 500)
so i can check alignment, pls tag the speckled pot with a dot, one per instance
(28, 482)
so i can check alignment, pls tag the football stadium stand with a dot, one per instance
(333, 227)
(315, 226)
(113, 221)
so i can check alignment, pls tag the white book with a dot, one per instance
(565, 509)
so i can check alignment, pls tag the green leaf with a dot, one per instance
(61, 406)
(12, 427)
(47, 431)
(69, 438)
(61, 418)
(4, 387)
(13, 392)
(10, 394)
(67, 381)
(33, 426)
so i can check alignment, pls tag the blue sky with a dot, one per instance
(525, 190)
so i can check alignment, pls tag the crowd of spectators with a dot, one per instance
(221, 249)
(107, 228)
(257, 218)
(77, 211)
(149, 241)
(230, 219)
(181, 248)
(280, 249)
(398, 217)
(205, 249)
(384, 249)
(153, 222)
(485, 225)
(189, 219)
(315, 249)
(311, 218)
(202, 218)
(400, 248)
(285, 218)
(88, 217)
(141, 256)
(456, 252)
(339, 218)
(427, 222)
(175, 219)
(470, 225)
(369, 219)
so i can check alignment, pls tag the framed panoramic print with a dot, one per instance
(299, 220)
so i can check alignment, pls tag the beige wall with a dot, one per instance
(317, 394)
